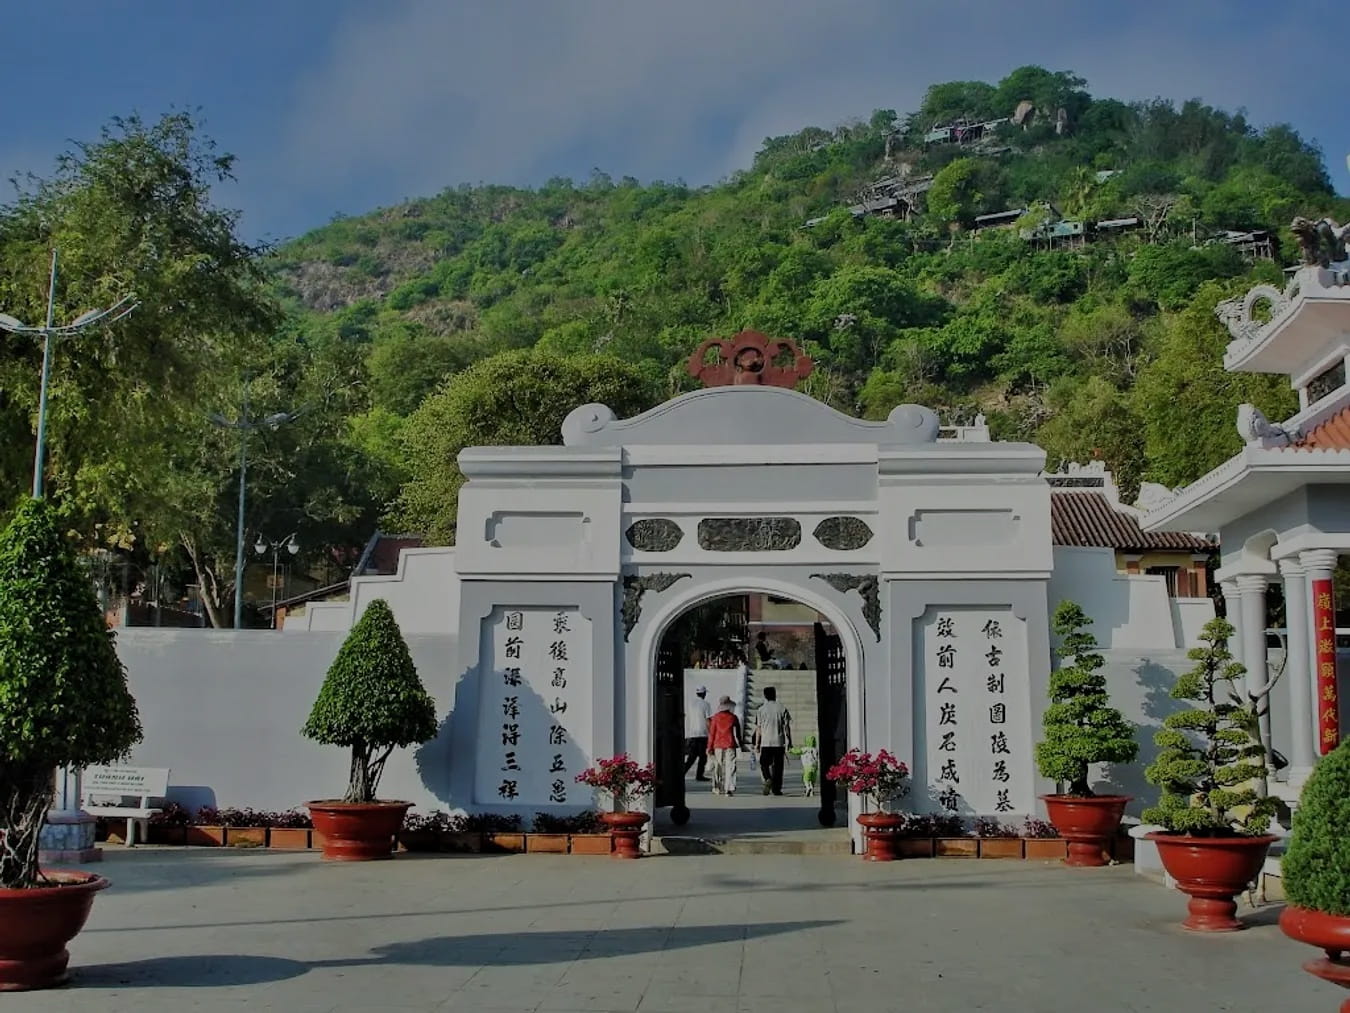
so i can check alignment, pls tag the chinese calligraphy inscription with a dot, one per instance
(977, 711)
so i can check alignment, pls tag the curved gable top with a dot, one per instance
(746, 415)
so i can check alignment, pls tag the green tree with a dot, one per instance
(1315, 870)
(1081, 727)
(1207, 759)
(63, 692)
(512, 399)
(1188, 402)
(958, 191)
(1094, 420)
(371, 701)
(129, 213)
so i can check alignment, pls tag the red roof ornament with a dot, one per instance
(752, 359)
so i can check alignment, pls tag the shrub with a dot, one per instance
(64, 700)
(172, 815)
(1039, 829)
(988, 826)
(622, 779)
(1081, 727)
(1316, 866)
(372, 701)
(1207, 757)
(882, 778)
(493, 823)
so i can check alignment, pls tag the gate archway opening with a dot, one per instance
(737, 645)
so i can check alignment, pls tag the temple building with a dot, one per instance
(1280, 505)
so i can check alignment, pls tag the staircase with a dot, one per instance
(796, 692)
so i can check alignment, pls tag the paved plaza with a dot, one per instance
(222, 930)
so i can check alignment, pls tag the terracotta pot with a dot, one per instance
(957, 847)
(245, 837)
(1212, 871)
(288, 838)
(881, 831)
(592, 844)
(206, 837)
(626, 831)
(1330, 933)
(1088, 824)
(357, 831)
(513, 843)
(1044, 849)
(1000, 847)
(546, 844)
(36, 924)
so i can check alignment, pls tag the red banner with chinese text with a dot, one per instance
(1324, 629)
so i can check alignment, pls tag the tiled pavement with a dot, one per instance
(219, 930)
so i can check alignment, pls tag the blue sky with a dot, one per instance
(343, 106)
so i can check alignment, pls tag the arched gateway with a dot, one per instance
(929, 556)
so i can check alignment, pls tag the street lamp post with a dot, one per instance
(246, 425)
(261, 546)
(69, 833)
(50, 335)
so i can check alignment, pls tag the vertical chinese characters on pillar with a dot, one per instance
(534, 710)
(1324, 629)
(978, 714)
(948, 774)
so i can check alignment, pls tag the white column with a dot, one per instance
(1298, 661)
(1320, 565)
(1233, 611)
(1252, 597)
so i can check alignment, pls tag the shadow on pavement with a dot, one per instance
(499, 949)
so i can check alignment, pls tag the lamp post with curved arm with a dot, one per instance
(50, 335)
(261, 546)
(246, 425)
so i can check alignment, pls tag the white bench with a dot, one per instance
(126, 793)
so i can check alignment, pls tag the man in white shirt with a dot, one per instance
(773, 737)
(696, 719)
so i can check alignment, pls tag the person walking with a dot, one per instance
(696, 718)
(773, 738)
(724, 742)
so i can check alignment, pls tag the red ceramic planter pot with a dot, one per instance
(357, 831)
(626, 830)
(36, 924)
(1212, 871)
(881, 831)
(1330, 933)
(1088, 824)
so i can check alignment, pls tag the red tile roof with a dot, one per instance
(1088, 519)
(1330, 434)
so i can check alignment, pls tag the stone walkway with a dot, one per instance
(208, 930)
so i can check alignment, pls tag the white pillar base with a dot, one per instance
(68, 839)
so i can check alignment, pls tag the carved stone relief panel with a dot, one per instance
(635, 587)
(749, 534)
(654, 534)
(843, 533)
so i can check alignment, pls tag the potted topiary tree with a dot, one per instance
(1213, 841)
(372, 702)
(1315, 870)
(64, 702)
(1081, 728)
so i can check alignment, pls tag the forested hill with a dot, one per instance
(1087, 325)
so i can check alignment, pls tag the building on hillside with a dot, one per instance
(1257, 244)
(999, 219)
(1280, 505)
(963, 131)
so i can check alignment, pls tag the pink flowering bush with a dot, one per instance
(622, 779)
(882, 778)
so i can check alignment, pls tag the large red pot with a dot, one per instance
(1212, 870)
(1088, 824)
(881, 831)
(625, 830)
(36, 924)
(357, 831)
(1330, 933)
